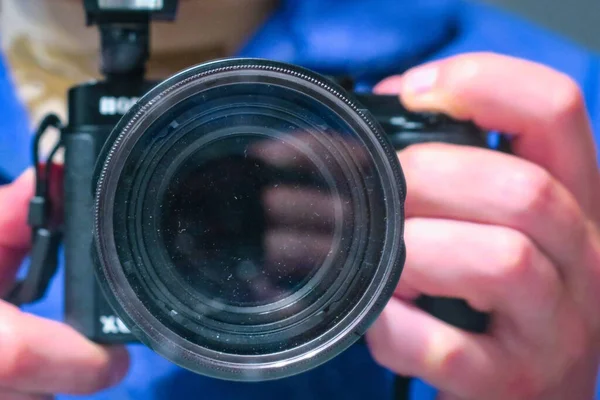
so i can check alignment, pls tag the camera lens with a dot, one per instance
(238, 231)
(248, 219)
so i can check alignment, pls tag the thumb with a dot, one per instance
(15, 234)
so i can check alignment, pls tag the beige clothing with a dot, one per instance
(49, 48)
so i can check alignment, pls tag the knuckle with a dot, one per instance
(464, 73)
(463, 70)
(517, 263)
(15, 363)
(453, 365)
(523, 272)
(566, 101)
(452, 362)
(530, 190)
(534, 194)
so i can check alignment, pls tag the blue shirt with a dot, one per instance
(369, 40)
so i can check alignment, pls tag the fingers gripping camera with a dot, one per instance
(243, 218)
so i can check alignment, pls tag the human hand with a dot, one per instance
(39, 357)
(515, 236)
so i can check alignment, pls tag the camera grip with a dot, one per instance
(80, 156)
(86, 308)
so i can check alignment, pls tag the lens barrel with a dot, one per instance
(248, 219)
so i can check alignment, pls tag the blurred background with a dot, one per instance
(577, 19)
(44, 72)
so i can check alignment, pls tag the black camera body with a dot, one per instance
(259, 95)
(94, 110)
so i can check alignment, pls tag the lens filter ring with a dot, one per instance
(248, 219)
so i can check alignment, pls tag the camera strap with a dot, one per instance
(46, 235)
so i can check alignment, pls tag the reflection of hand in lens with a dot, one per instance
(322, 145)
(303, 210)
(300, 230)
(252, 221)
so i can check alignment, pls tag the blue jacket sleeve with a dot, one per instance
(14, 128)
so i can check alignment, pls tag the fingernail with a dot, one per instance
(388, 86)
(420, 80)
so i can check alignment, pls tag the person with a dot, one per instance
(514, 235)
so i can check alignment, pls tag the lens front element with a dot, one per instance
(249, 220)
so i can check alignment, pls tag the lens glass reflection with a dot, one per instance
(241, 230)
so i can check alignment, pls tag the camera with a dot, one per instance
(243, 218)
